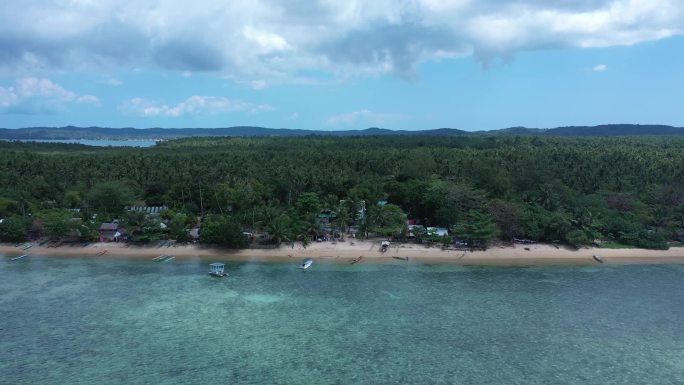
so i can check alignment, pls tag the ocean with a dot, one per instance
(88, 321)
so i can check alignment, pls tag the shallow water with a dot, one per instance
(114, 322)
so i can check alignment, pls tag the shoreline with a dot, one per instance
(346, 252)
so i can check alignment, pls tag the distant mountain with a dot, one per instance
(71, 132)
(615, 130)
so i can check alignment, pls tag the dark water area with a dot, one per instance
(82, 321)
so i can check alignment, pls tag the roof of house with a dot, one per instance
(147, 209)
(109, 226)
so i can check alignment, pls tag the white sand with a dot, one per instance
(345, 252)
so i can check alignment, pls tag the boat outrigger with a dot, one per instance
(306, 263)
(19, 257)
(218, 270)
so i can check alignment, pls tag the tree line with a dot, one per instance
(626, 190)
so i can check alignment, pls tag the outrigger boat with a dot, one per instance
(597, 258)
(218, 270)
(356, 260)
(306, 263)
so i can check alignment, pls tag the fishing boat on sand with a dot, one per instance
(597, 258)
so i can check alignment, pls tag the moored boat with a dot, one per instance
(306, 263)
(217, 270)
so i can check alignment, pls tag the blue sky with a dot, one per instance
(333, 65)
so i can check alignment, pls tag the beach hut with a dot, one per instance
(217, 269)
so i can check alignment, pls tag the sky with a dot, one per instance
(340, 65)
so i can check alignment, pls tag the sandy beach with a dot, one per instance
(365, 252)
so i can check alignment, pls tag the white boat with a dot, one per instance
(306, 263)
(597, 258)
(19, 257)
(218, 270)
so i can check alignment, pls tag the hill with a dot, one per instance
(72, 132)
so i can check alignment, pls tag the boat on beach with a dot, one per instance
(306, 263)
(597, 258)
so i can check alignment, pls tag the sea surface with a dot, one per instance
(88, 321)
(95, 142)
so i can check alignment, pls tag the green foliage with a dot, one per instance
(178, 228)
(14, 229)
(109, 197)
(627, 190)
(222, 230)
(477, 228)
(9, 207)
(308, 203)
(386, 220)
(56, 223)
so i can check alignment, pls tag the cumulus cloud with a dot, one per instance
(194, 105)
(600, 68)
(365, 116)
(37, 94)
(276, 40)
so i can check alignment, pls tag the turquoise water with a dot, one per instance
(119, 322)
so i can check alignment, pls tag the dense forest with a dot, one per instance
(572, 190)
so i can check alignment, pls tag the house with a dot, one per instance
(438, 231)
(111, 232)
(413, 229)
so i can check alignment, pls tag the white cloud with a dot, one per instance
(365, 116)
(600, 68)
(194, 105)
(259, 84)
(111, 82)
(276, 41)
(38, 94)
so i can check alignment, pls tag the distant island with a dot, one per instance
(128, 133)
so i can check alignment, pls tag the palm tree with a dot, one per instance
(279, 229)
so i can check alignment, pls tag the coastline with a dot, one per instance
(346, 252)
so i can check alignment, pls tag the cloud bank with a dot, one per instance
(194, 105)
(275, 40)
(35, 95)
